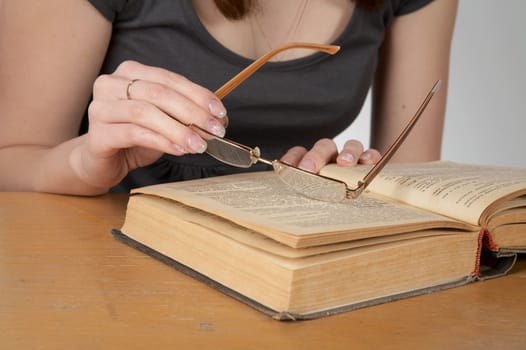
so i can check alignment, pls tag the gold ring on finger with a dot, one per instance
(128, 89)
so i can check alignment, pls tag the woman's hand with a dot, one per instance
(325, 151)
(43, 101)
(138, 113)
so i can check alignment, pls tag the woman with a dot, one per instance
(127, 76)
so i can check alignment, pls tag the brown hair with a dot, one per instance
(237, 9)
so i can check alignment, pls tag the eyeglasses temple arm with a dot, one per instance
(229, 86)
(397, 143)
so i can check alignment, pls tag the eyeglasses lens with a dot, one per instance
(309, 184)
(229, 153)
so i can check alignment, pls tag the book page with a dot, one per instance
(260, 201)
(461, 191)
(222, 226)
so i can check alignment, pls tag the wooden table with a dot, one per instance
(66, 283)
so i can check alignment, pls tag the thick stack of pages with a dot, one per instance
(419, 228)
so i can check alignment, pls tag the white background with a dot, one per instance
(486, 108)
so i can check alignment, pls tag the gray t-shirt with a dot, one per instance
(282, 105)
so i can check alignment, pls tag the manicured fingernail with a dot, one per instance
(215, 128)
(178, 148)
(307, 164)
(346, 157)
(365, 156)
(216, 108)
(196, 144)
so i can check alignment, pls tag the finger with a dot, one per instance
(107, 139)
(202, 97)
(106, 86)
(350, 153)
(148, 117)
(323, 152)
(177, 106)
(294, 155)
(370, 156)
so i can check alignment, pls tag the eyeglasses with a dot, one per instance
(304, 182)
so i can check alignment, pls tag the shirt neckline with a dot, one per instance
(243, 61)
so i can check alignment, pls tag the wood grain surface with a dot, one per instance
(66, 283)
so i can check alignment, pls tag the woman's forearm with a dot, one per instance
(44, 169)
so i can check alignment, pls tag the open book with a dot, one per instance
(418, 228)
